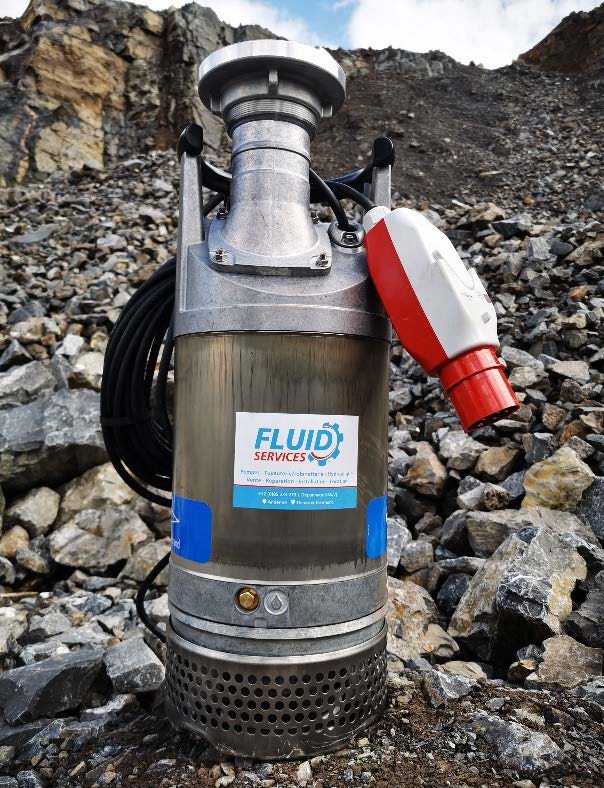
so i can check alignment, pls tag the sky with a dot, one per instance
(490, 32)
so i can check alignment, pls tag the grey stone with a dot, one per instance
(50, 440)
(516, 746)
(451, 592)
(454, 534)
(521, 595)
(398, 537)
(36, 511)
(460, 450)
(587, 623)
(133, 667)
(487, 530)
(14, 355)
(45, 626)
(98, 540)
(33, 560)
(591, 508)
(416, 556)
(48, 687)
(30, 779)
(23, 384)
(520, 358)
(592, 691)
(439, 688)
(7, 575)
(464, 564)
(538, 249)
(573, 370)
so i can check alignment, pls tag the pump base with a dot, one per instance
(273, 709)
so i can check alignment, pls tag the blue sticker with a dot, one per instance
(191, 529)
(294, 498)
(377, 530)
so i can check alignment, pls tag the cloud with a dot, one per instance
(236, 12)
(491, 32)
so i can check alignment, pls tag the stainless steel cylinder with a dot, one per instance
(310, 657)
(276, 643)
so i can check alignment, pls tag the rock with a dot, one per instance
(50, 440)
(591, 507)
(8, 574)
(439, 688)
(487, 530)
(413, 623)
(87, 371)
(496, 463)
(13, 540)
(24, 383)
(13, 623)
(96, 540)
(587, 623)
(304, 773)
(566, 663)
(398, 537)
(520, 358)
(521, 595)
(574, 370)
(49, 687)
(426, 473)
(144, 559)
(45, 626)
(451, 592)
(99, 488)
(465, 564)
(516, 746)
(592, 691)
(557, 482)
(416, 556)
(70, 346)
(14, 355)
(460, 450)
(33, 561)
(36, 511)
(469, 670)
(133, 667)
(454, 534)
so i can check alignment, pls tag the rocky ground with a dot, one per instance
(495, 543)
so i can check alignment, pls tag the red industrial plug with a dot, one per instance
(441, 312)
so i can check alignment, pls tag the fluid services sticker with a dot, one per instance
(295, 461)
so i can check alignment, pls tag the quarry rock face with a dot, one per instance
(92, 84)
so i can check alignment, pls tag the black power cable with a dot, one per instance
(142, 593)
(331, 199)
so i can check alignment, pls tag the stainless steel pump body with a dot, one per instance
(276, 643)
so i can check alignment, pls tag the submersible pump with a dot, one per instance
(276, 453)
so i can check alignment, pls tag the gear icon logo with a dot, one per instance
(334, 447)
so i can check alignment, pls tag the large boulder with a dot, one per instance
(96, 540)
(50, 441)
(521, 595)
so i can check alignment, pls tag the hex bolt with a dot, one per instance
(314, 215)
(248, 599)
(219, 255)
(322, 260)
(349, 238)
(222, 213)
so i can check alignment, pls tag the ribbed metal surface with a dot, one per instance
(273, 709)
